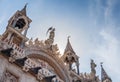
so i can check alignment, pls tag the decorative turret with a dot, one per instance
(17, 28)
(70, 57)
(104, 76)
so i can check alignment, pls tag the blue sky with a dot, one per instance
(92, 24)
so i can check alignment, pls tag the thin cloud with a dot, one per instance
(2, 18)
(108, 51)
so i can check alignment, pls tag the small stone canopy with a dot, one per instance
(69, 57)
(69, 52)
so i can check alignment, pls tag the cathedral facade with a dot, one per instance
(27, 60)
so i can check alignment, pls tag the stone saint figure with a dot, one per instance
(50, 40)
(93, 65)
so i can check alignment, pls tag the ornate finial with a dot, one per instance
(92, 60)
(36, 41)
(69, 37)
(31, 41)
(101, 63)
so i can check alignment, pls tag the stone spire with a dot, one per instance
(104, 75)
(69, 47)
(23, 11)
(70, 56)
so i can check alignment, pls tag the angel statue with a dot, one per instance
(50, 39)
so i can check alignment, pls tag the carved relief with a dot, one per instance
(30, 42)
(8, 77)
(42, 45)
